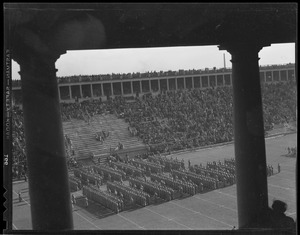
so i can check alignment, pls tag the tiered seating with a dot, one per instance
(177, 184)
(110, 201)
(86, 176)
(154, 167)
(152, 188)
(129, 169)
(105, 171)
(83, 135)
(134, 195)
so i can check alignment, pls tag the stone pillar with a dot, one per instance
(158, 82)
(80, 90)
(141, 88)
(131, 84)
(168, 87)
(193, 85)
(45, 150)
(249, 141)
(122, 92)
(59, 96)
(92, 94)
(176, 87)
(102, 90)
(150, 86)
(184, 83)
(70, 92)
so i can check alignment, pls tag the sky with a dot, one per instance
(107, 61)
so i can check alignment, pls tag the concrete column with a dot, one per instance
(184, 84)
(176, 87)
(158, 81)
(48, 176)
(249, 141)
(193, 85)
(102, 90)
(168, 87)
(141, 89)
(70, 92)
(150, 87)
(80, 89)
(122, 92)
(59, 96)
(92, 94)
(131, 84)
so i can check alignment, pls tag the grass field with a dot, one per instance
(213, 210)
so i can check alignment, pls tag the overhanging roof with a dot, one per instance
(62, 26)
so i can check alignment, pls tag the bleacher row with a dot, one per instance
(83, 135)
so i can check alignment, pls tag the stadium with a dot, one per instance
(194, 149)
(173, 168)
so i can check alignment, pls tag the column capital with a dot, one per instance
(240, 48)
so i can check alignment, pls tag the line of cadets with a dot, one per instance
(88, 176)
(108, 173)
(128, 168)
(153, 188)
(196, 180)
(148, 167)
(129, 193)
(106, 199)
(177, 184)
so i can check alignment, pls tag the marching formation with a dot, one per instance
(142, 182)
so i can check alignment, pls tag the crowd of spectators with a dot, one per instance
(170, 121)
(148, 74)
(279, 103)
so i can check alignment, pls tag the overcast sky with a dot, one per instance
(90, 62)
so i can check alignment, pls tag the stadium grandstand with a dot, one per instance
(200, 149)
(119, 151)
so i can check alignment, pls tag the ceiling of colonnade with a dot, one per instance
(71, 26)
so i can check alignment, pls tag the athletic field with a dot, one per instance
(213, 210)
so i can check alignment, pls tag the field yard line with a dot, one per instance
(292, 213)
(197, 212)
(15, 226)
(215, 203)
(22, 198)
(276, 186)
(276, 197)
(131, 221)
(225, 194)
(87, 220)
(167, 218)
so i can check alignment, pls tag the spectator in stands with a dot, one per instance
(279, 219)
